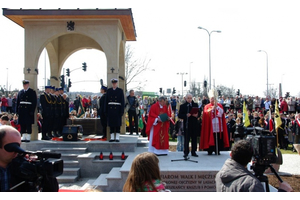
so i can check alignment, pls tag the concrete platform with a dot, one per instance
(186, 175)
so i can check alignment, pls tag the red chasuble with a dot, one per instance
(207, 136)
(161, 130)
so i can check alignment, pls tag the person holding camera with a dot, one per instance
(14, 167)
(234, 175)
(8, 134)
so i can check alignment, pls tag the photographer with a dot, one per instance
(234, 176)
(13, 167)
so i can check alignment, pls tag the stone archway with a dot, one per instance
(62, 32)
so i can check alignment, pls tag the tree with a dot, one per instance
(226, 91)
(134, 67)
(272, 92)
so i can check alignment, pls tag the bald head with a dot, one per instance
(8, 135)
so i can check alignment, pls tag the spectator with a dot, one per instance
(291, 105)
(179, 132)
(14, 103)
(257, 103)
(144, 175)
(9, 104)
(4, 120)
(145, 103)
(4, 103)
(284, 107)
(14, 123)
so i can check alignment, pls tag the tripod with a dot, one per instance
(259, 173)
(186, 158)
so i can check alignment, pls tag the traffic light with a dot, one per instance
(69, 83)
(184, 83)
(174, 91)
(101, 82)
(62, 81)
(205, 84)
(160, 90)
(219, 93)
(238, 92)
(84, 66)
(68, 72)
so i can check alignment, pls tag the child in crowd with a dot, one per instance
(180, 134)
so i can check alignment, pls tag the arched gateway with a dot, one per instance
(63, 32)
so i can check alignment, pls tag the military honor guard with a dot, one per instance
(46, 105)
(114, 109)
(25, 108)
(101, 111)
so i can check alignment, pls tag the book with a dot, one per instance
(194, 110)
(164, 117)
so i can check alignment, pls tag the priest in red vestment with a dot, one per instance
(157, 130)
(213, 127)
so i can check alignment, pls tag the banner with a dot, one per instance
(246, 119)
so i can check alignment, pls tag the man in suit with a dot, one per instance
(190, 125)
(26, 105)
(114, 109)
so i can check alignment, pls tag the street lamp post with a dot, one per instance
(209, 33)
(181, 73)
(267, 71)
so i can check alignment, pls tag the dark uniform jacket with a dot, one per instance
(45, 100)
(26, 105)
(114, 108)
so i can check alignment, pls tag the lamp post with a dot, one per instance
(267, 71)
(181, 73)
(190, 79)
(209, 33)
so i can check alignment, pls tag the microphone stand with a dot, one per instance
(186, 158)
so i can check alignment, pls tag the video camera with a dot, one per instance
(264, 153)
(34, 171)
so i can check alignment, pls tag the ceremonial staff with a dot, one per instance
(215, 107)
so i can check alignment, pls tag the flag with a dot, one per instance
(270, 121)
(81, 111)
(246, 119)
(277, 118)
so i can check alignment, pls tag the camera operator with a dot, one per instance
(8, 135)
(11, 162)
(234, 175)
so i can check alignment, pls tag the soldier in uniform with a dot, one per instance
(114, 109)
(46, 104)
(25, 108)
(101, 111)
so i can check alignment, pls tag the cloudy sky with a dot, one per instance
(168, 34)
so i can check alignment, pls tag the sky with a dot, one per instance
(168, 34)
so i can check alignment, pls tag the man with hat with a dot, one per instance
(101, 111)
(46, 104)
(114, 109)
(26, 105)
(214, 136)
